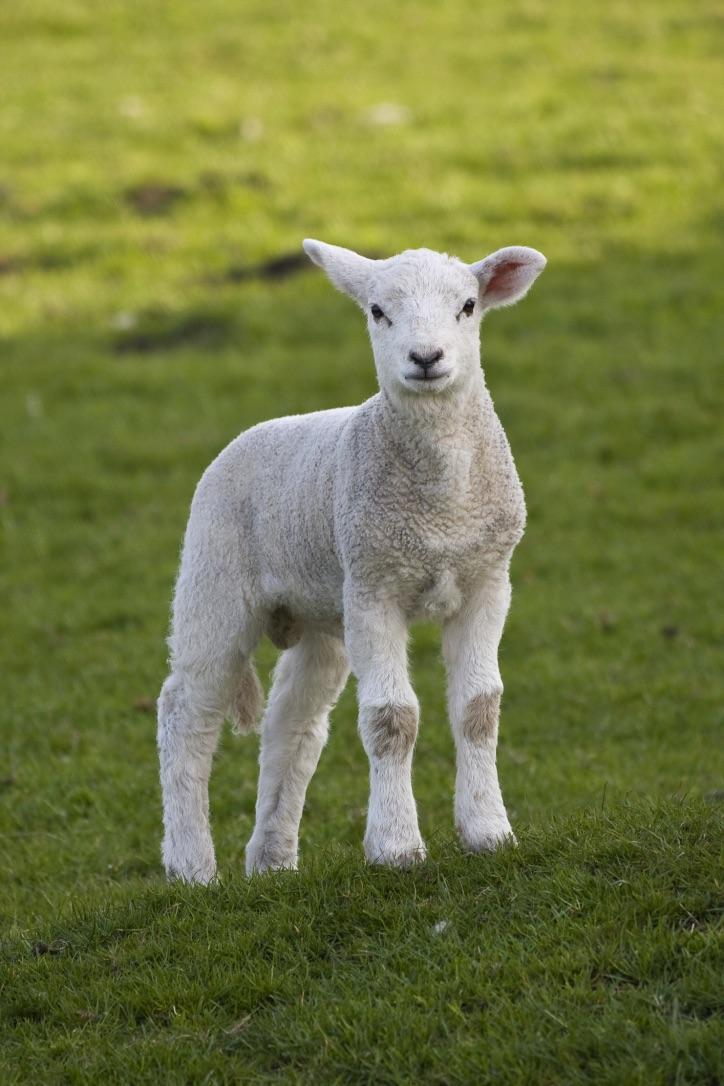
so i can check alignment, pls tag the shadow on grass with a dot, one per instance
(625, 299)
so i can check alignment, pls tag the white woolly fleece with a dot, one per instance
(332, 532)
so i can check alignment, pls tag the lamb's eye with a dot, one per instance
(468, 307)
(376, 312)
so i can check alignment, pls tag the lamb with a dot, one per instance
(331, 532)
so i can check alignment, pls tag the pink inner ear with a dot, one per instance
(504, 278)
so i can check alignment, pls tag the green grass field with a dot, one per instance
(155, 160)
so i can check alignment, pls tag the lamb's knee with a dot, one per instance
(188, 714)
(480, 720)
(316, 735)
(171, 704)
(389, 730)
(302, 740)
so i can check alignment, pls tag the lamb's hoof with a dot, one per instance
(192, 872)
(391, 853)
(270, 852)
(486, 839)
(193, 876)
(192, 864)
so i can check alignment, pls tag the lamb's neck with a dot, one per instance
(437, 421)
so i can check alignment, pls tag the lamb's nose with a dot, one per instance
(425, 360)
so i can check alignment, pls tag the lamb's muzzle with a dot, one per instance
(332, 532)
(426, 360)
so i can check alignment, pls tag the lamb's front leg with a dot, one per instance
(470, 647)
(376, 639)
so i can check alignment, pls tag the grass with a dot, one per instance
(152, 168)
(587, 955)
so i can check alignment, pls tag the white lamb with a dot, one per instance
(331, 532)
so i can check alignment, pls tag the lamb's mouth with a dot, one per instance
(426, 377)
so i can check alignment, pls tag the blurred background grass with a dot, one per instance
(155, 159)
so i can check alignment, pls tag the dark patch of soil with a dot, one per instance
(168, 332)
(154, 197)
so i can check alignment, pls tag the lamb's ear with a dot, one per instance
(506, 275)
(346, 269)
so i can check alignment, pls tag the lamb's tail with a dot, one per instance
(248, 703)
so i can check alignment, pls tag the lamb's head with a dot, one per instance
(424, 309)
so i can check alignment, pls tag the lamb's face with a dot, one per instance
(423, 315)
(424, 309)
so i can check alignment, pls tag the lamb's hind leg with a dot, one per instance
(212, 678)
(190, 715)
(307, 682)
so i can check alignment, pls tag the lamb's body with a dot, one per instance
(272, 490)
(332, 532)
(295, 506)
